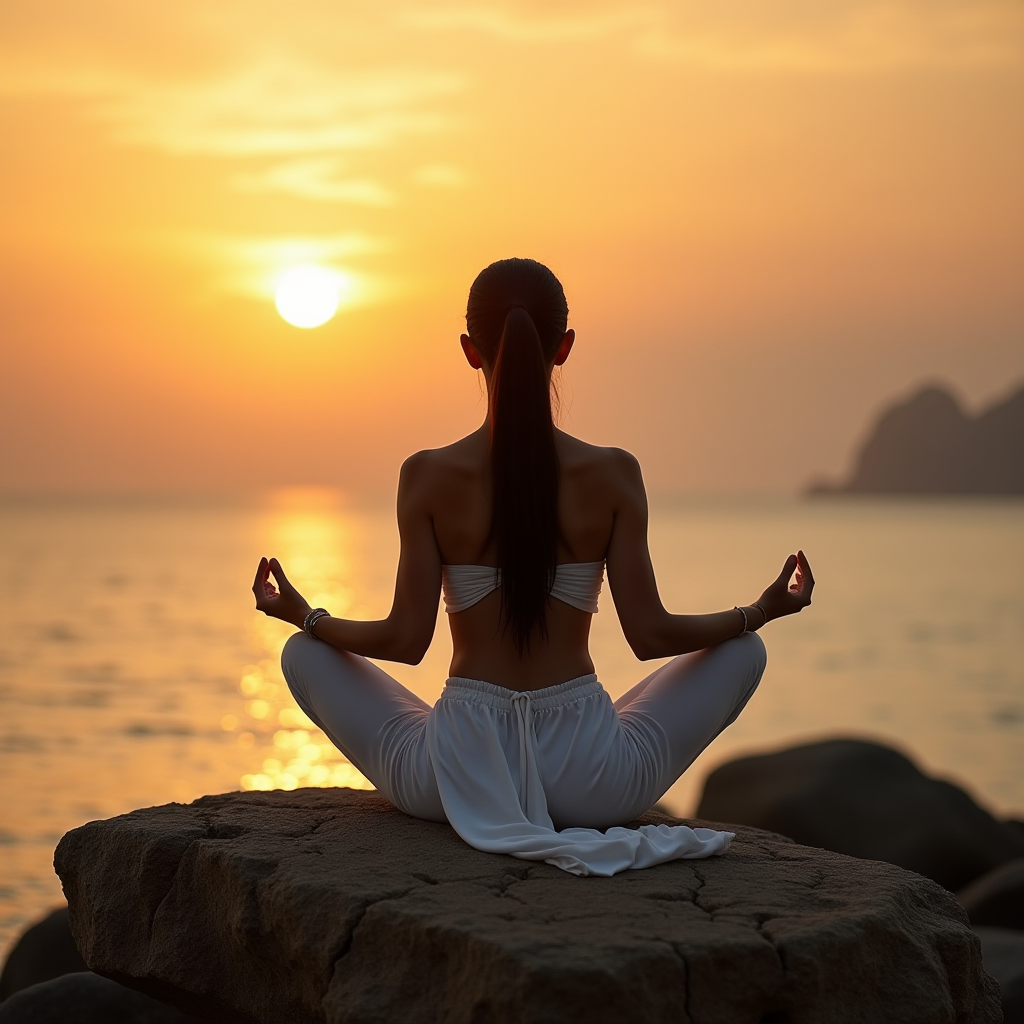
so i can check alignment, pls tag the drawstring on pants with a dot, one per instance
(527, 755)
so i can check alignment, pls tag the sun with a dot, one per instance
(309, 296)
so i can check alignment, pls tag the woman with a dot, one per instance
(524, 753)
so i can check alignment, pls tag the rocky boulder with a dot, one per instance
(864, 800)
(332, 906)
(46, 950)
(997, 898)
(86, 998)
(1003, 949)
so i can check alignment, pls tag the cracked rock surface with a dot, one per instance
(331, 906)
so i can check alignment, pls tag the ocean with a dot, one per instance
(134, 670)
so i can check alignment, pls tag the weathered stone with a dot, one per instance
(1003, 951)
(330, 905)
(864, 800)
(45, 950)
(996, 899)
(86, 998)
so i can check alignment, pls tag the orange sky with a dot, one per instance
(769, 217)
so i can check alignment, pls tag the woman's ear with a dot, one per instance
(564, 349)
(472, 356)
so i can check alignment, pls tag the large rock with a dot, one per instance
(86, 998)
(997, 898)
(864, 800)
(45, 950)
(330, 905)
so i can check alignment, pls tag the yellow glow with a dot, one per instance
(309, 296)
(258, 708)
(250, 684)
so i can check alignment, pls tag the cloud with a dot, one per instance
(844, 37)
(803, 36)
(278, 107)
(568, 22)
(315, 179)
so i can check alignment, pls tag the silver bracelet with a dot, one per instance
(313, 616)
(764, 614)
(744, 614)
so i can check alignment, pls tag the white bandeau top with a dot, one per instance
(576, 584)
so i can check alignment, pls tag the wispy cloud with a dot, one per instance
(803, 36)
(315, 179)
(278, 108)
(843, 37)
(301, 113)
(550, 23)
(272, 107)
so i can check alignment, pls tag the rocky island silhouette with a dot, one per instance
(928, 444)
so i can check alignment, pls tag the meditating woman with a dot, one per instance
(524, 753)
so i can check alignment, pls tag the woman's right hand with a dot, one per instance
(785, 598)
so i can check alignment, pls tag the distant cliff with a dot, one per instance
(929, 445)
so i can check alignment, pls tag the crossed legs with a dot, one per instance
(666, 720)
(376, 722)
(678, 710)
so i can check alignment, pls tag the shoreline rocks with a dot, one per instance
(82, 997)
(1003, 950)
(864, 800)
(996, 898)
(332, 906)
(45, 950)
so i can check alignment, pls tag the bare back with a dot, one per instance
(453, 487)
(444, 517)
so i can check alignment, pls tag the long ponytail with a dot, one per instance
(516, 316)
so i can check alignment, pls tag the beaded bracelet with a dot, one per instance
(313, 616)
(744, 614)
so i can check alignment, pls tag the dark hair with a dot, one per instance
(516, 317)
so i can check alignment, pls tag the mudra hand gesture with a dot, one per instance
(784, 598)
(286, 603)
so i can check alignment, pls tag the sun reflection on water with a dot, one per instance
(314, 541)
(298, 753)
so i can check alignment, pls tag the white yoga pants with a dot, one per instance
(534, 773)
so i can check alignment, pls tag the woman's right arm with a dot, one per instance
(405, 634)
(652, 631)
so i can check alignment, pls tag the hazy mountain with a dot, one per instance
(929, 445)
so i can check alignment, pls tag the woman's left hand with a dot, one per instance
(785, 598)
(287, 603)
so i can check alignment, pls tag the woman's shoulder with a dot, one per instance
(464, 460)
(609, 464)
(592, 467)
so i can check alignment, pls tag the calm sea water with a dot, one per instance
(133, 670)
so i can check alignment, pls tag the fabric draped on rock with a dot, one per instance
(500, 804)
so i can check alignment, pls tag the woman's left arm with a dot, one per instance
(406, 633)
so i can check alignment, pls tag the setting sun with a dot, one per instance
(308, 296)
